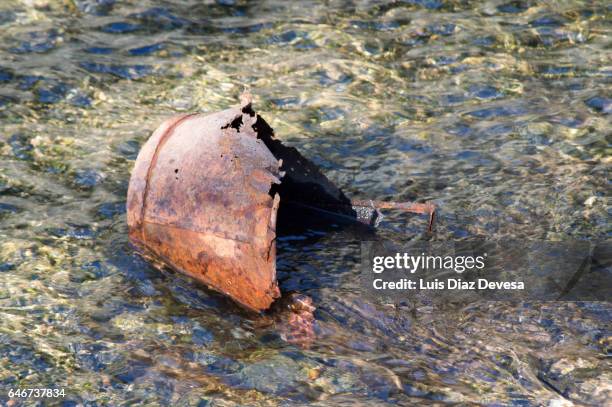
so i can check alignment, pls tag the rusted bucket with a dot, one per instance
(199, 201)
(204, 197)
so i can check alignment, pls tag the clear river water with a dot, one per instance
(498, 111)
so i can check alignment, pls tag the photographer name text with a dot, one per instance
(448, 284)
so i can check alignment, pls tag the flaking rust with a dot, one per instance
(204, 196)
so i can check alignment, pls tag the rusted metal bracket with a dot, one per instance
(414, 207)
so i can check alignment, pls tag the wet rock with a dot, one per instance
(70, 403)
(331, 113)
(276, 375)
(21, 355)
(498, 111)
(81, 276)
(143, 288)
(159, 18)
(37, 42)
(132, 371)
(294, 319)
(21, 146)
(485, 92)
(7, 16)
(429, 4)
(572, 122)
(460, 129)
(87, 178)
(196, 299)
(5, 267)
(484, 41)
(443, 29)
(444, 60)
(99, 50)
(147, 49)
(325, 79)
(554, 70)
(201, 336)
(247, 28)
(27, 82)
(357, 377)
(449, 100)
(576, 379)
(286, 102)
(109, 210)
(600, 104)
(77, 98)
(95, 7)
(95, 269)
(7, 209)
(297, 38)
(547, 21)
(379, 26)
(6, 100)
(120, 27)
(513, 7)
(129, 149)
(217, 364)
(121, 71)
(52, 94)
(75, 232)
(6, 75)
(130, 322)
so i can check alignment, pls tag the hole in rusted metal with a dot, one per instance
(234, 124)
(248, 110)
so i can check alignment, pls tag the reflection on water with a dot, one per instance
(497, 110)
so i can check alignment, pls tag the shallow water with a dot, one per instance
(499, 111)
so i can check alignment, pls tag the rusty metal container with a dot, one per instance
(204, 199)
(199, 200)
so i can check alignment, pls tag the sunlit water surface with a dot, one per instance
(499, 111)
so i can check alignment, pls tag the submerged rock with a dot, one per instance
(277, 375)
